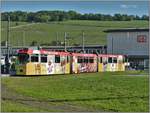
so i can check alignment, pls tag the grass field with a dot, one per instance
(83, 92)
(12, 24)
(46, 32)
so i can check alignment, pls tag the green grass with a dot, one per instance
(9, 106)
(12, 24)
(46, 32)
(97, 91)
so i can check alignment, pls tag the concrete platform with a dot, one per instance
(5, 75)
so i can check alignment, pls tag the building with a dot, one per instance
(100, 49)
(131, 42)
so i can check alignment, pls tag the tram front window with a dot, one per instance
(23, 58)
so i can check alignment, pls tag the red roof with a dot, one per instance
(27, 51)
(54, 53)
(30, 51)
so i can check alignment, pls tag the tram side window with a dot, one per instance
(80, 60)
(43, 58)
(100, 59)
(35, 58)
(115, 60)
(91, 60)
(57, 58)
(86, 60)
(120, 60)
(110, 60)
(68, 58)
(23, 58)
(104, 60)
(125, 59)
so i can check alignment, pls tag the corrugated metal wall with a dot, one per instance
(126, 43)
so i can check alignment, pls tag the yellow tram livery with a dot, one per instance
(110, 62)
(41, 62)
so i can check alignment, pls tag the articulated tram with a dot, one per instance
(42, 62)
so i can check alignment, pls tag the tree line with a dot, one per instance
(48, 16)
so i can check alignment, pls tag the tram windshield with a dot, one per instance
(23, 58)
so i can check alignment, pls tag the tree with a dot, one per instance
(3, 43)
(117, 17)
(72, 14)
(137, 17)
(30, 17)
(132, 17)
(34, 43)
(145, 17)
(46, 16)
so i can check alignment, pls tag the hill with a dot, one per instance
(47, 32)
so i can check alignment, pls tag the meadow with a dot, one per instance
(109, 91)
(47, 32)
(83, 92)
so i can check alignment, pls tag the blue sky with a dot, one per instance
(109, 7)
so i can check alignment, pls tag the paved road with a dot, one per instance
(23, 25)
(5, 75)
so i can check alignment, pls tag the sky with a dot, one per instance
(104, 7)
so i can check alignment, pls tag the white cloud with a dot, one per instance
(123, 6)
(128, 6)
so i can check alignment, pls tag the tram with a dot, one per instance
(42, 62)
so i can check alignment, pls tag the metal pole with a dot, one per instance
(8, 30)
(112, 45)
(7, 56)
(57, 39)
(65, 41)
(68, 42)
(83, 41)
(24, 38)
(18, 43)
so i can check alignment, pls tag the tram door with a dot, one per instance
(100, 64)
(121, 66)
(112, 63)
(71, 64)
(67, 65)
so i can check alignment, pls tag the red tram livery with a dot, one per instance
(84, 63)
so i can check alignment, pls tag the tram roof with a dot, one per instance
(83, 54)
(31, 51)
(54, 53)
(109, 55)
